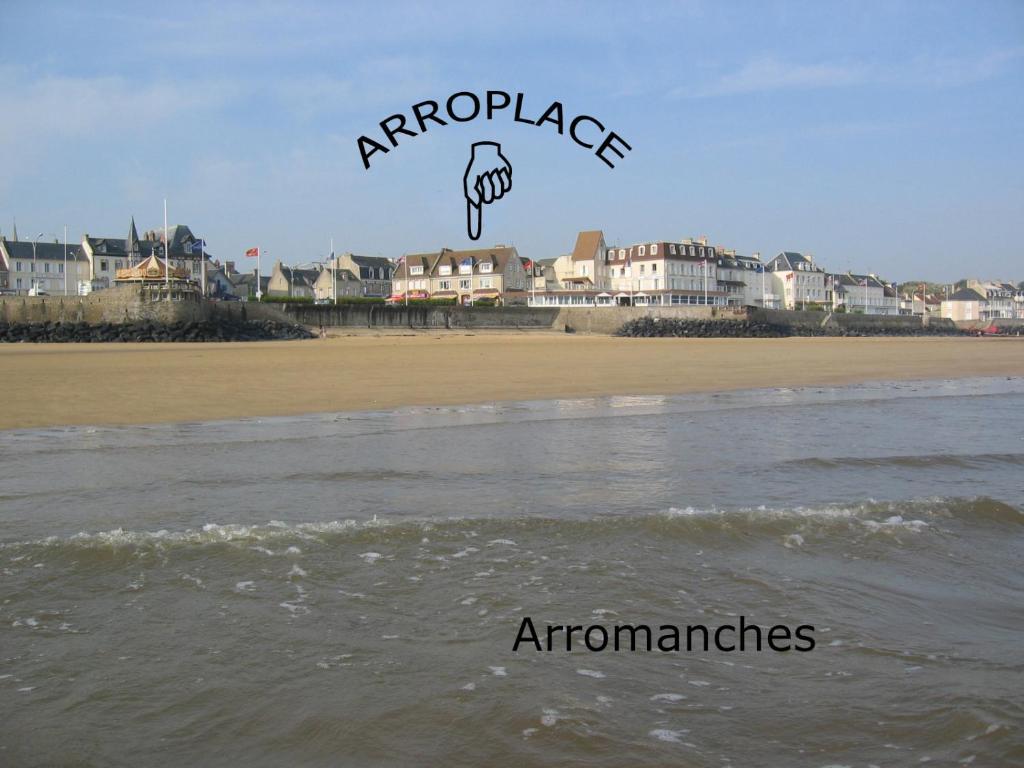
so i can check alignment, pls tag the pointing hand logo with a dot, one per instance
(488, 177)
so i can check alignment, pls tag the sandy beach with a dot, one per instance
(54, 385)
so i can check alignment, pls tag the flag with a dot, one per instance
(759, 268)
(253, 253)
(789, 276)
(198, 246)
(528, 264)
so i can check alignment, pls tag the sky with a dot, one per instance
(880, 137)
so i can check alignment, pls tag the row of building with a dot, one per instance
(660, 273)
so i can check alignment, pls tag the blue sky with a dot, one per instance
(880, 137)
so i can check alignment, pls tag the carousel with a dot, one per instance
(151, 275)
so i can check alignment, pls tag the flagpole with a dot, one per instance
(334, 278)
(65, 259)
(167, 252)
(259, 293)
(202, 265)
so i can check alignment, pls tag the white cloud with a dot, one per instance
(767, 73)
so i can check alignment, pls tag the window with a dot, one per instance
(46, 267)
(398, 285)
(622, 253)
(654, 267)
(642, 250)
(445, 285)
(117, 264)
(18, 283)
(486, 282)
(446, 269)
(654, 249)
(18, 268)
(672, 248)
(464, 284)
(485, 266)
(103, 266)
(60, 269)
(412, 270)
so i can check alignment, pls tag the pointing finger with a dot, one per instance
(486, 188)
(499, 189)
(505, 178)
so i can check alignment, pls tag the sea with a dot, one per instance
(347, 589)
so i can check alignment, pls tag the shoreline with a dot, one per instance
(52, 385)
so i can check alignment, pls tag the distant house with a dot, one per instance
(983, 301)
(863, 294)
(220, 279)
(294, 282)
(481, 274)
(345, 284)
(24, 264)
(965, 305)
(245, 285)
(373, 273)
(799, 281)
(921, 302)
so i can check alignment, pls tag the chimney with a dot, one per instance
(229, 267)
(703, 239)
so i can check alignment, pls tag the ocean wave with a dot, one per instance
(793, 524)
(921, 461)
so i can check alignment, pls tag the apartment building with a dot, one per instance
(26, 263)
(799, 282)
(492, 275)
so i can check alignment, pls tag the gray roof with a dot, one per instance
(849, 280)
(377, 262)
(48, 250)
(300, 276)
(791, 261)
(179, 236)
(967, 294)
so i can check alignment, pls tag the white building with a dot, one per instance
(798, 281)
(863, 294)
(45, 265)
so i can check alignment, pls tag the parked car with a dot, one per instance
(36, 291)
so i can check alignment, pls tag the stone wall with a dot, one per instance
(416, 316)
(834, 322)
(121, 304)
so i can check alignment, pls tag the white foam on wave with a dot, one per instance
(245, 586)
(590, 673)
(667, 697)
(549, 717)
(371, 557)
(664, 734)
(498, 671)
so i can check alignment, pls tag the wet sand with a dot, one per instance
(103, 384)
